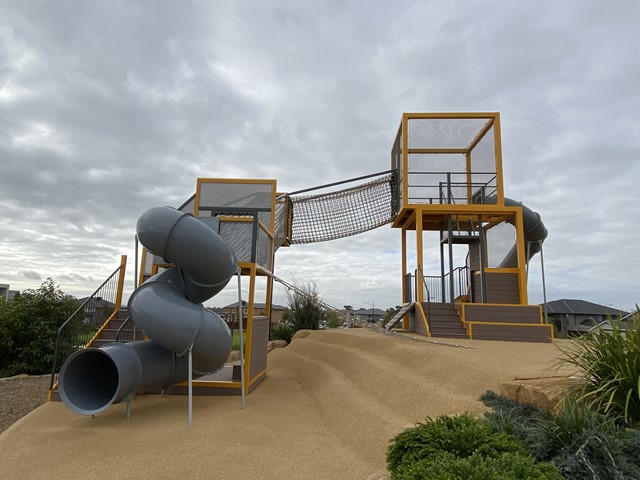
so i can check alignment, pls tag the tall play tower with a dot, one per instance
(450, 193)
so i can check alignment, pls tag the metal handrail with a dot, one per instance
(92, 297)
(121, 329)
(419, 269)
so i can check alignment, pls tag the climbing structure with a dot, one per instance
(450, 185)
(445, 180)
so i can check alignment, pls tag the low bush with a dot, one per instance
(281, 331)
(505, 466)
(460, 445)
(581, 442)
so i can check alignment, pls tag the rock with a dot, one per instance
(276, 344)
(301, 334)
(545, 393)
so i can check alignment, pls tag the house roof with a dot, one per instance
(274, 306)
(581, 307)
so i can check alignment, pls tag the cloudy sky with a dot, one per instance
(109, 108)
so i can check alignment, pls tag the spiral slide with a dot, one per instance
(168, 309)
(534, 232)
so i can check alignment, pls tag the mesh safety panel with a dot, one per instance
(329, 216)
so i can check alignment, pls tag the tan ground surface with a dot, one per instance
(330, 405)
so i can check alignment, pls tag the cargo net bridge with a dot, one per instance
(337, 214)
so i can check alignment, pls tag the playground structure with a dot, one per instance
(450, 182)
(445, 182)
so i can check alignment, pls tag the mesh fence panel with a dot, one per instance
(329, 216)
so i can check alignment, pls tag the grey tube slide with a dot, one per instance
(534, 232)
(168, 309)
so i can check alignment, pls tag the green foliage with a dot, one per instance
(333, 321)
(459, 446)
(581, 442)
(610, 365)
(504, 466)
(28, 326)
(281, 331)
(235, 339)
(305, 312)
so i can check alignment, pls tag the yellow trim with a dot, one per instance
(498, 156)
(469, 177)
(249, 337)
(257, 377)
(403, 240)
(474, 143)
(143, 262)
(420, 257)
(452, 115)
(424, 318)
(102, 327)
(499, 270)
(437, 151)
(123, 269)
(522, 277)
(229, 218)
(405, 160)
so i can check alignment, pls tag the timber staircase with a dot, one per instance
(406, 308)
(110, 332)
(444, 321)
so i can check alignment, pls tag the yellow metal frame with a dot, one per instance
(423, 217)
(250, 269)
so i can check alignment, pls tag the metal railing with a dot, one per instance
(128, 332)
(83, 324)
(450, 191)
(437, 288)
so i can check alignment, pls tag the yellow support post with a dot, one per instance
(123, 269)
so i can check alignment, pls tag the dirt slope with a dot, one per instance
(330, 405)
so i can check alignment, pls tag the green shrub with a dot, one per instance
(581, 442)
(609, 362)
(460, 436)
(505, 466)
(281, 331)
(29, 324)
(333, 321)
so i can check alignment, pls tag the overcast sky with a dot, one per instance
(109, 108)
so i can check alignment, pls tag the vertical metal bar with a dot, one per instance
(483, 287)
(254, 239)
(190, 422)
(240, 326)
(442, 299)
(450, 244)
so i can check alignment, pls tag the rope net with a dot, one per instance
(329, 216)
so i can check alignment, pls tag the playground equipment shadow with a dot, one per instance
(328, 408)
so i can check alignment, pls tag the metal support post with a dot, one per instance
(240, 326)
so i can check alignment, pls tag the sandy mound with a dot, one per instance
(330, 405)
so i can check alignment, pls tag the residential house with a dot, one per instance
(6, 292)
(230, 312)
(575, 317)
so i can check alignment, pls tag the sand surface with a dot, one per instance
(330, 405)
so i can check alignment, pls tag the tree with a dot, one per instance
(28, 326)
(333, 321)
(305, 312)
